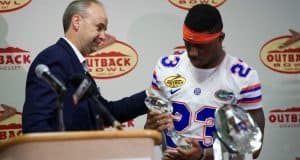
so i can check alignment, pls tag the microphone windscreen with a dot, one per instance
(40, 70)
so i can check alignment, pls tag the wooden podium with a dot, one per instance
(87, 145)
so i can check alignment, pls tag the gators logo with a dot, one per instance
(224, 96)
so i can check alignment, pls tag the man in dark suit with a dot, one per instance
(84, 23)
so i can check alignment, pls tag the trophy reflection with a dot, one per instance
(163, 106)
(238, 134)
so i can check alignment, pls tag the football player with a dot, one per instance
(199, 81)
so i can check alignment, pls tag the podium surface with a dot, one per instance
(83, 145)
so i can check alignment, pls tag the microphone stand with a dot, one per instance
(91, 92)
(106, 113)
(59, 105)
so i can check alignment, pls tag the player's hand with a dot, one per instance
(158, 121)
(195, 153)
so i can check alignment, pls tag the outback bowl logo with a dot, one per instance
(175, 81)
(12, 58)
(113, 61)
(187, 4)
(10, 123)
(11, 5)
(285, 118)
(280, 56)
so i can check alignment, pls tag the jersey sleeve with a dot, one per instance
(250, 95)
(157, 87)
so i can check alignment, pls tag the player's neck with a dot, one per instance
(219, 58)
(216, 61)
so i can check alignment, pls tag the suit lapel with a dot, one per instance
(74, 60)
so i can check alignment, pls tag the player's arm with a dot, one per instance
(250, 97)
(253, 103)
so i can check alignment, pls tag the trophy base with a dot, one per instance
(221, 153)
(235, 156)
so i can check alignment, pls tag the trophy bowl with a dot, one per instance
(164, 106)
(158, 104)
(237, 130)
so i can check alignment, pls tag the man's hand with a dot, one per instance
(195, 153)
(158, 121)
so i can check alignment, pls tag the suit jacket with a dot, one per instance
(40, 106)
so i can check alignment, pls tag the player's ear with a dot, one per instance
(222, 36)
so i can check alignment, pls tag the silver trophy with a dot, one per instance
(163, 106)
(238, 134)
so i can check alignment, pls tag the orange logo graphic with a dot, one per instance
(114, 60)
(11, 5)
(282, 54)
(10, 123)
(128, 124)
(179, 50)
(13, 58)
(187, 4)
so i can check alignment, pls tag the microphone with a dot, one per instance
(81, 90)
(86, 88)
(43, 72)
